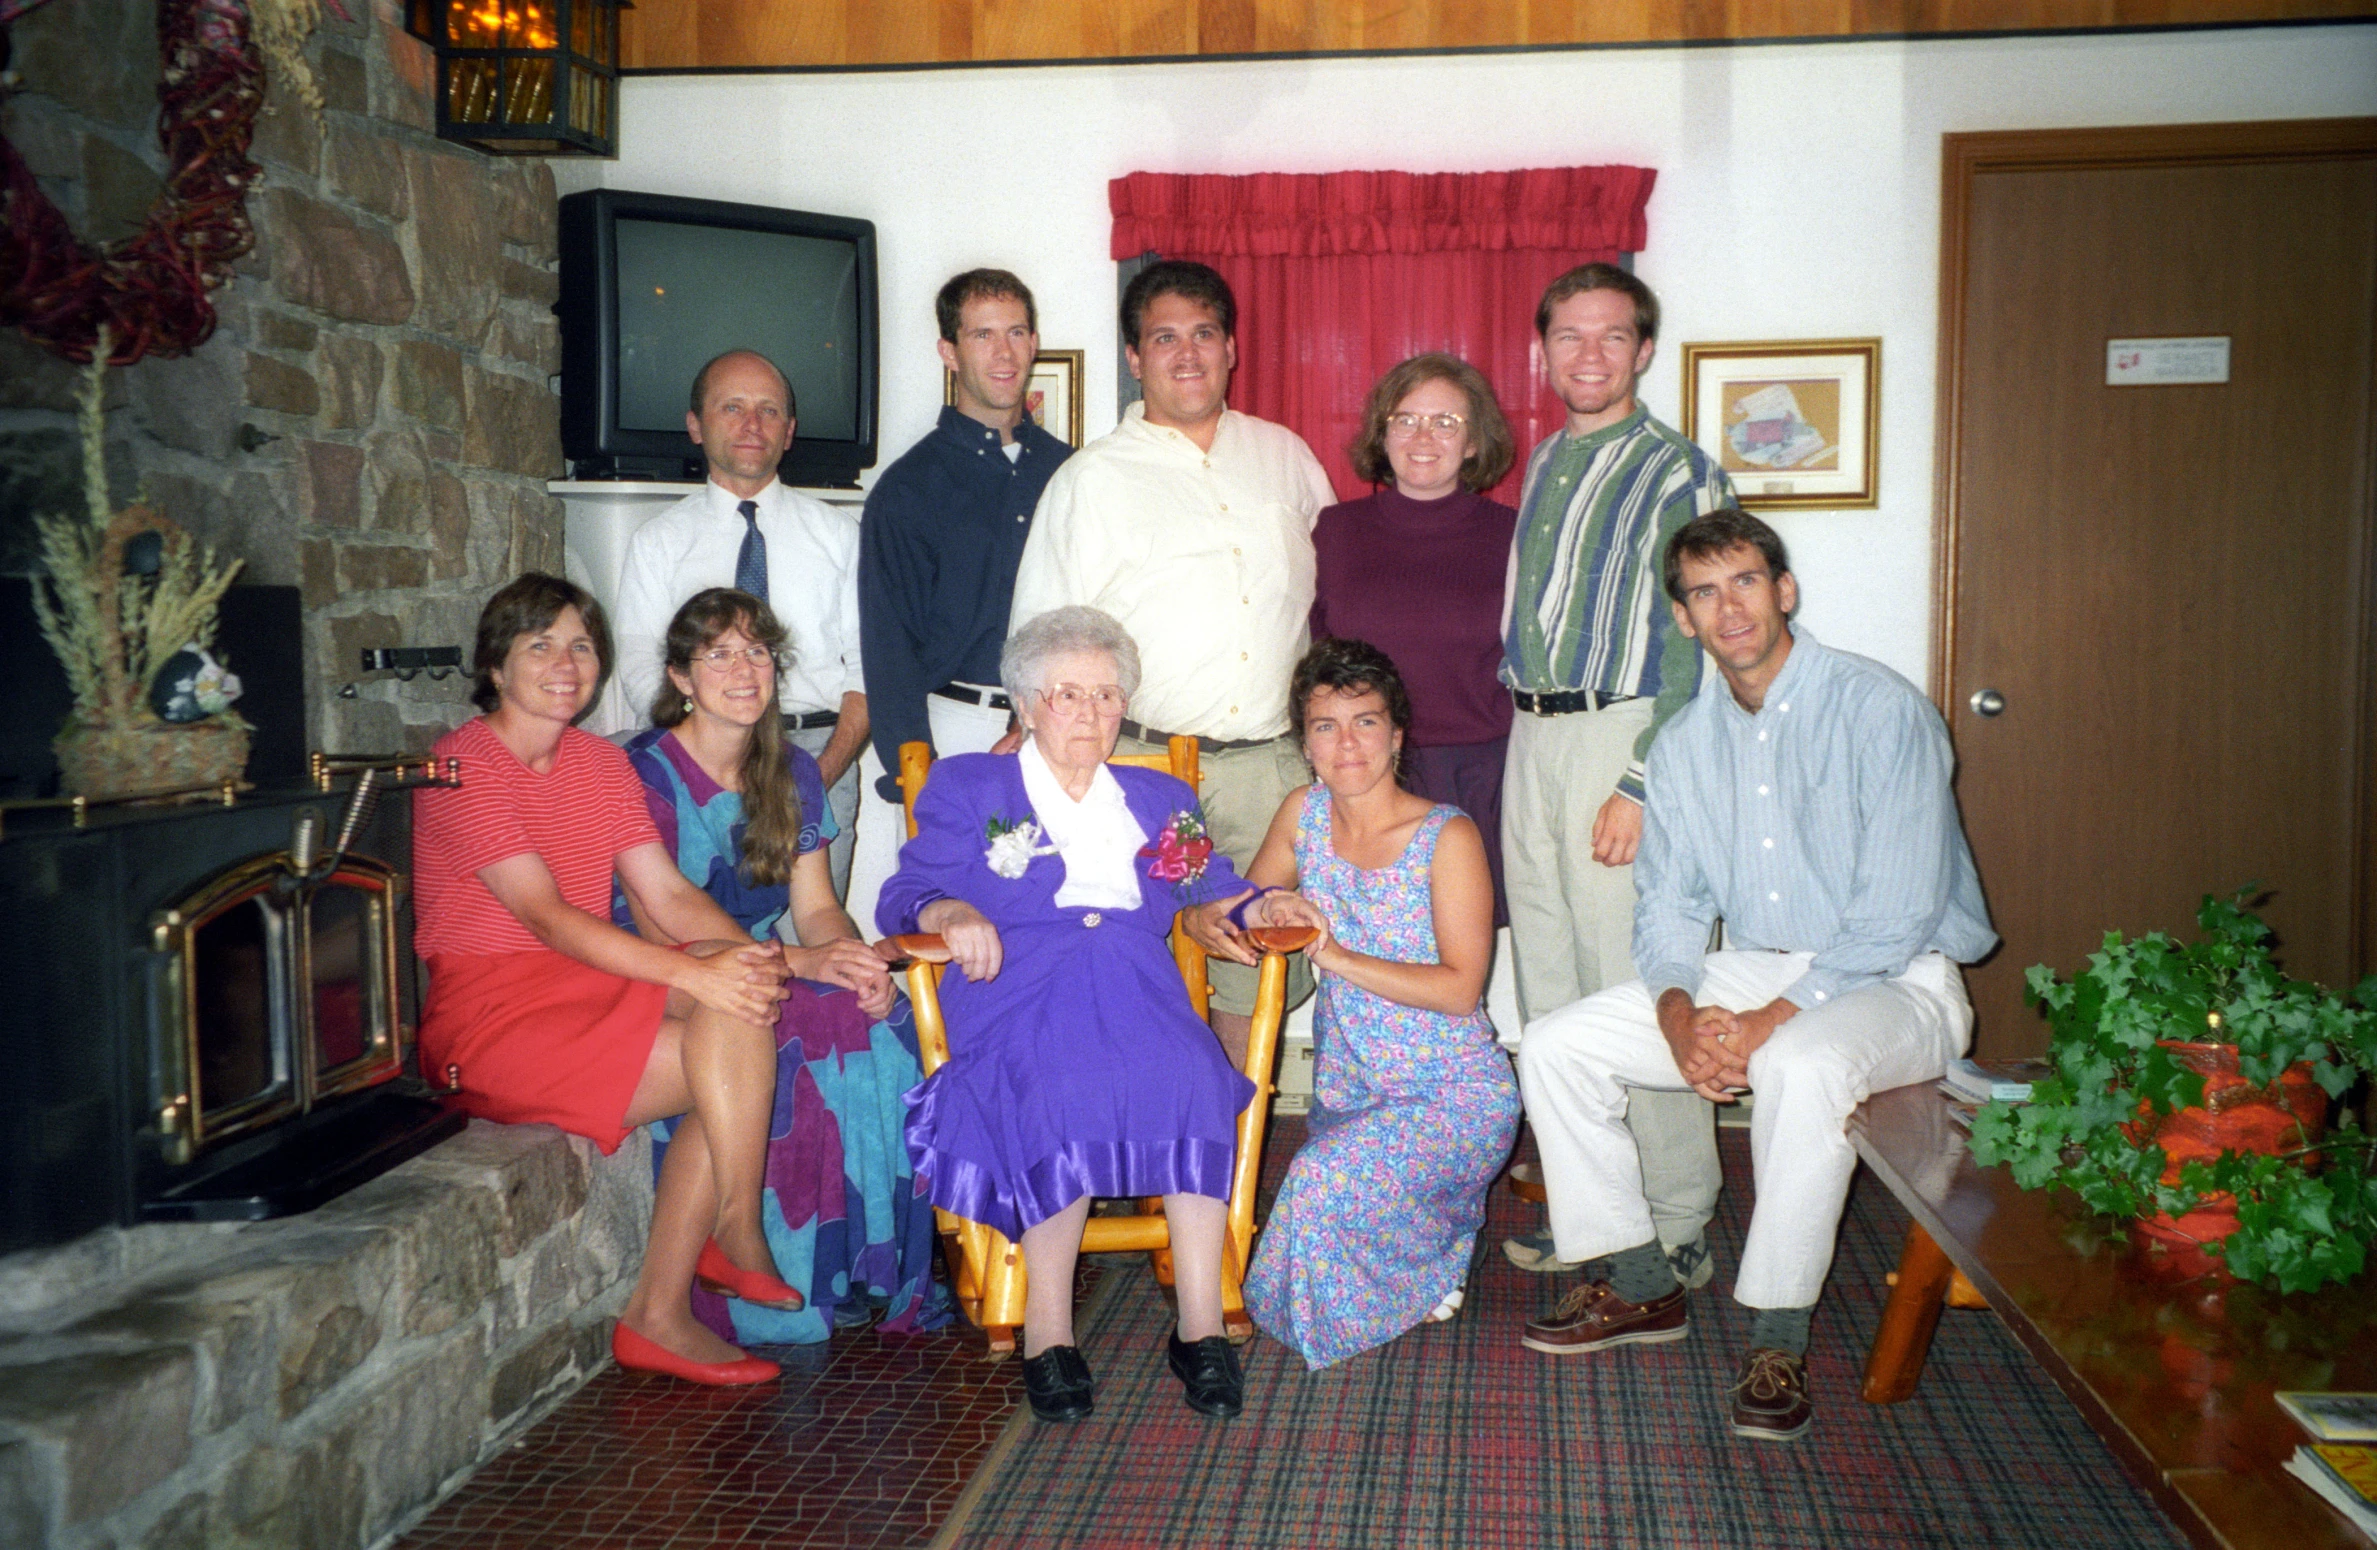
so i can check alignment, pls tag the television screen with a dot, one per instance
(654, 285)
(688, 292)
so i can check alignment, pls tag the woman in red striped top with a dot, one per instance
(550, 1013)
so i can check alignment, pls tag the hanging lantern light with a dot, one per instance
(525, 77)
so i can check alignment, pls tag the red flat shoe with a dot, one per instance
(638, 1354)
(717, 1273)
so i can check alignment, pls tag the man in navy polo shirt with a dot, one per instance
(945, 526)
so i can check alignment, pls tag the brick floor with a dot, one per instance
(865, 1443)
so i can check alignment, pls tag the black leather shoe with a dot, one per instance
(1209, 1372)
(1058, 1384)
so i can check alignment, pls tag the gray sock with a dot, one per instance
(1641, 1274)
(1780, 1329)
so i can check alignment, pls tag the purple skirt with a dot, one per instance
(1079, 1071)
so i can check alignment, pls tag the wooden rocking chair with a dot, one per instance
(985, 1266)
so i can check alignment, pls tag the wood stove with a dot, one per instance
(206, 1010)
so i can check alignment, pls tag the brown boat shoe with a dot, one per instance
(1593, 1317)
(1770, 1398)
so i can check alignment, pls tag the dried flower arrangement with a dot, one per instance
(129, 607)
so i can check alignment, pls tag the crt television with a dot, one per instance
(653, 285)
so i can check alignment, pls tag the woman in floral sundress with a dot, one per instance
(1414, 1104)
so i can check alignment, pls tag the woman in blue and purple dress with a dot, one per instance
(1076, 1066)
(743, 813)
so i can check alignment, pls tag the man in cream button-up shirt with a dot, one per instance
(1192, 524)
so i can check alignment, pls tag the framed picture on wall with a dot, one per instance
(1793, 422)
(1053, 397)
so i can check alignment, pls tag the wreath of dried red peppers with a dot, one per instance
(149, 289)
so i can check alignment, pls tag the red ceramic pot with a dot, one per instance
(2235, 1116)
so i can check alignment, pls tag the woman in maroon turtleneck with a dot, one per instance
(1417, 570)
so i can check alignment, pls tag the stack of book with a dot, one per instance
(2342, 1465)
(1971, 1083)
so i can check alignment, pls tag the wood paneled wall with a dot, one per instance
(845, 34)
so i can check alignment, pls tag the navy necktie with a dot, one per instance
(751, 563)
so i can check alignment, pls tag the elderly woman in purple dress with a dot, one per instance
(1076, 1066)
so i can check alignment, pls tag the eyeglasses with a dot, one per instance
(720, 658)
(1073, 699)
(1405, 426)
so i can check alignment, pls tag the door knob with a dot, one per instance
(1988, 702)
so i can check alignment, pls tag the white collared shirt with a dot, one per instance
(1205, 557)
(1097, 838)
(812, 587)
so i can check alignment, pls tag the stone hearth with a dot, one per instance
(316, 1381)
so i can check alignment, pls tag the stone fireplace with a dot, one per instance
(372, 421)
(372, 424)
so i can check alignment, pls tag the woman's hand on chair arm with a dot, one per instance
(1274, 867)
(974, 944)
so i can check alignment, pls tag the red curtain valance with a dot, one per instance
(1324, 214)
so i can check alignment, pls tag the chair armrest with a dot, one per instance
(1281, 939)
(927, 947)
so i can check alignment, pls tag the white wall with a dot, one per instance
(1798, 193)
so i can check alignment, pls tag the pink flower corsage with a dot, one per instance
(1180, 851)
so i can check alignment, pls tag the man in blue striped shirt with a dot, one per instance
(1596, 668)
(1803, 798)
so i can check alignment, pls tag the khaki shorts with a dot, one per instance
(1241, 790)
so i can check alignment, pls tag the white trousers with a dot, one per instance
(882, 829)
(1578, 1065)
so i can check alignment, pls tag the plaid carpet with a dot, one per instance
(1456, 1436)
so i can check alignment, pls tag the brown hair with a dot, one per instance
(981, 285)
(1600, 277)
(771, 802)
(1490, 445)
(1714, 533)
(528, 605)
(1184, 277)
(1350, 667)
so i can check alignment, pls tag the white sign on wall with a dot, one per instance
(2164, 362)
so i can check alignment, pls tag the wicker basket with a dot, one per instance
(103, 763)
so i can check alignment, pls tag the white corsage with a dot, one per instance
(1012, 846)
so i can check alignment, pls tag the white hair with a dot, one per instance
(1023, 661)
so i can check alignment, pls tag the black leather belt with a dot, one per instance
(1133, 729)
(966, 696)
(810, 720)
(1567, 701)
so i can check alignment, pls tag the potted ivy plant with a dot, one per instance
(2190, 1094)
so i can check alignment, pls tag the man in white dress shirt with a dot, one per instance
(744, 529)
(1192, 524)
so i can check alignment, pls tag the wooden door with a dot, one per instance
(2169, 586)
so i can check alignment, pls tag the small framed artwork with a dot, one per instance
(1053, 397)
(1793, 422)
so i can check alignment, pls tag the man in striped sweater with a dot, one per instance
(1596, 666)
